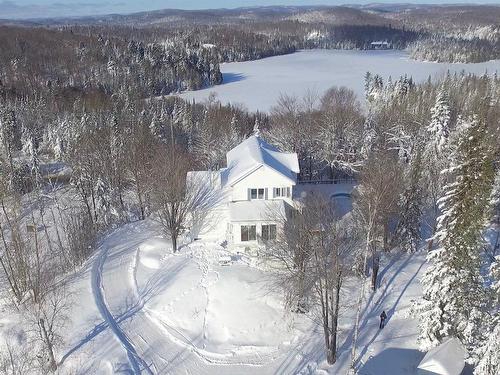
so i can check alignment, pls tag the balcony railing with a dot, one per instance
(334, 181)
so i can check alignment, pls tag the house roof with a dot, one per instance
(252, 154)
(258, 210)
(445, 359)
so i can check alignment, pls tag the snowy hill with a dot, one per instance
(140, 308)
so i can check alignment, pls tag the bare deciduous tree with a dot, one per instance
(340, 130)
(175, 194)
(311, 257)
(375, 200)
(16, 358)
(47, 317)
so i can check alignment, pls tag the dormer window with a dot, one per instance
(257, 193)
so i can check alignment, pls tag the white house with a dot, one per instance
(380, 45)
(257, 188)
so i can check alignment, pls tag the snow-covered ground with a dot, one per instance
(258, 84)
(141, 309)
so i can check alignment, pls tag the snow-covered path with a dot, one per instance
(137, 363)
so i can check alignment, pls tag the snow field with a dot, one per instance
(257, 85)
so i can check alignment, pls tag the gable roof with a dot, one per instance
(445, 359)
(252, 154)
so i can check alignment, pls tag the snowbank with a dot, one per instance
(153, 251)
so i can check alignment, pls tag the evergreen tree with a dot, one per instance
(437, 144)
(408, 230)
(454, 296)
(489, 354)
(439, 127)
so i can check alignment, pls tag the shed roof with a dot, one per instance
(258, 210)
(445, 359)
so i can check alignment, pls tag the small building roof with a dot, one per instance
(254, 153)
(258, 210)
(446, 359)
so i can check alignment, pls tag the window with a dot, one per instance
(282, 192)
(253, 193)
(257, 193)
(248, 233)
(268, 232)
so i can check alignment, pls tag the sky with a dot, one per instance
(18, 9)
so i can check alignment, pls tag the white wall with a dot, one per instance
(237, 232)
(264, 177)
(211, 225)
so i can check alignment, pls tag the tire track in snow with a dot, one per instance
(98, 290)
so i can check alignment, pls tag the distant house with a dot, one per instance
(380, 45)
(257, 186)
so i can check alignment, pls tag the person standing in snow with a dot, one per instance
(383, 317)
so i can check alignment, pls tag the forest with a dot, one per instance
(90, 140)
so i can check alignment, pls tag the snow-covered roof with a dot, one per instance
(258, 210)
(254, 153)
(210, 178)
(445, 359)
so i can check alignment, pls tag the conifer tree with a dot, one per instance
(454, 297)
(439, 127)
(408, 230)
(489, 353)
(437, 142)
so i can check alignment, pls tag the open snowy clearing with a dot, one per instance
(141, 309)
(258, 84)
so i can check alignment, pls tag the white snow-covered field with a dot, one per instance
(141, 309)
(258, 84)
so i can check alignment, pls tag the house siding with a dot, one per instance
(263, 177)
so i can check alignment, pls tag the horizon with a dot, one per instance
(46, 9)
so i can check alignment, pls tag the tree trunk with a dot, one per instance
(360, 302)
(331, 355)
(174, 242)
(142, 215)
(48, 344)
(434, 227)
(335, 320)
(386, 236)
(375, 268)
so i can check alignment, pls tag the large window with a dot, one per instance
(257, 193)
(282, 192)
(268, 232)
(248, 233)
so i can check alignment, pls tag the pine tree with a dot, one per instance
(439, 127)
(408, 230)
(437, 145)
(489, 353)
(454, 296)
